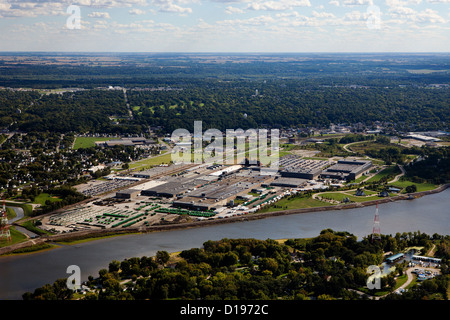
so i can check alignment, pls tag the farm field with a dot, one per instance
(88, 142)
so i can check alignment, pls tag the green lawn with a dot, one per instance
(40, 199)
(283, 153)
(29, 225)
(389, 171)
(87, 142)
(16, 237)
(10, 213)
(373, 145)
(367, 192)
(360, 179)
(27, 209)
(295, 203)
(403, 183)
(339, 196)
(154, 161)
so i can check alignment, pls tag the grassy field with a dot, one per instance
(403, 183)
(295, 203)
(360, 179)
(87, 142)
(389, 171)
(284, 153)
(366, 145)
(27, 209)
(154, 161)
(10, 213)
(339, 196)
(29, 225)
(16, 237)
(367, 192)
(40, 199)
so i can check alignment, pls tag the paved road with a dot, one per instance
(410, 279)
(20, 215)
(411, 276)
(403, 172)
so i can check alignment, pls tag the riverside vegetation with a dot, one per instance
(325, 267)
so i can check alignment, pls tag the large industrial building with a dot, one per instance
(347, 169)
(292, 166)
(220, 192)
(289, 182)
(127, 194)
(126, 142)
(173, 188)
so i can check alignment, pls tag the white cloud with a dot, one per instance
(255, 21)
(232, 10)
(136, 12)
(35, 8)
(357, 2)
(278, 5)
(401, 15)
(429, 16)
(402, 3)
(355, 16)
(288, 14)
(173, 8)
(99, 15)
(323, 14)
(334, 3)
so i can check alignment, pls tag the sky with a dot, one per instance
(225, 25)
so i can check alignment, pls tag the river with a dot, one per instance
(21, 273)
(19, 215)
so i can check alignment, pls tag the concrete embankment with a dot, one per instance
(78, 235)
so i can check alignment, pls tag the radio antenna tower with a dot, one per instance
(5, 234)
(376, 234)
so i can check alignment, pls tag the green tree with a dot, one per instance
(162, 257)
(410, 189)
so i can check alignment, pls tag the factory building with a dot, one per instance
(126, 142)
(422, 137)
(292, 166)
(289, 182)
(127, 194)
(173, 188)
(347, 169)
(222, 191)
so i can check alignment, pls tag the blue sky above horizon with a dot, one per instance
(227, 25)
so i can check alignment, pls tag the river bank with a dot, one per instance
(98, 234)
(26, 272)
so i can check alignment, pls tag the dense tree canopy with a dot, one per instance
(323, 267)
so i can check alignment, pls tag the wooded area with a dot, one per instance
(324, 268)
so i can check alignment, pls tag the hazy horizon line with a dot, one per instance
(230, 52)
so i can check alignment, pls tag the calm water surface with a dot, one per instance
(18, 274)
